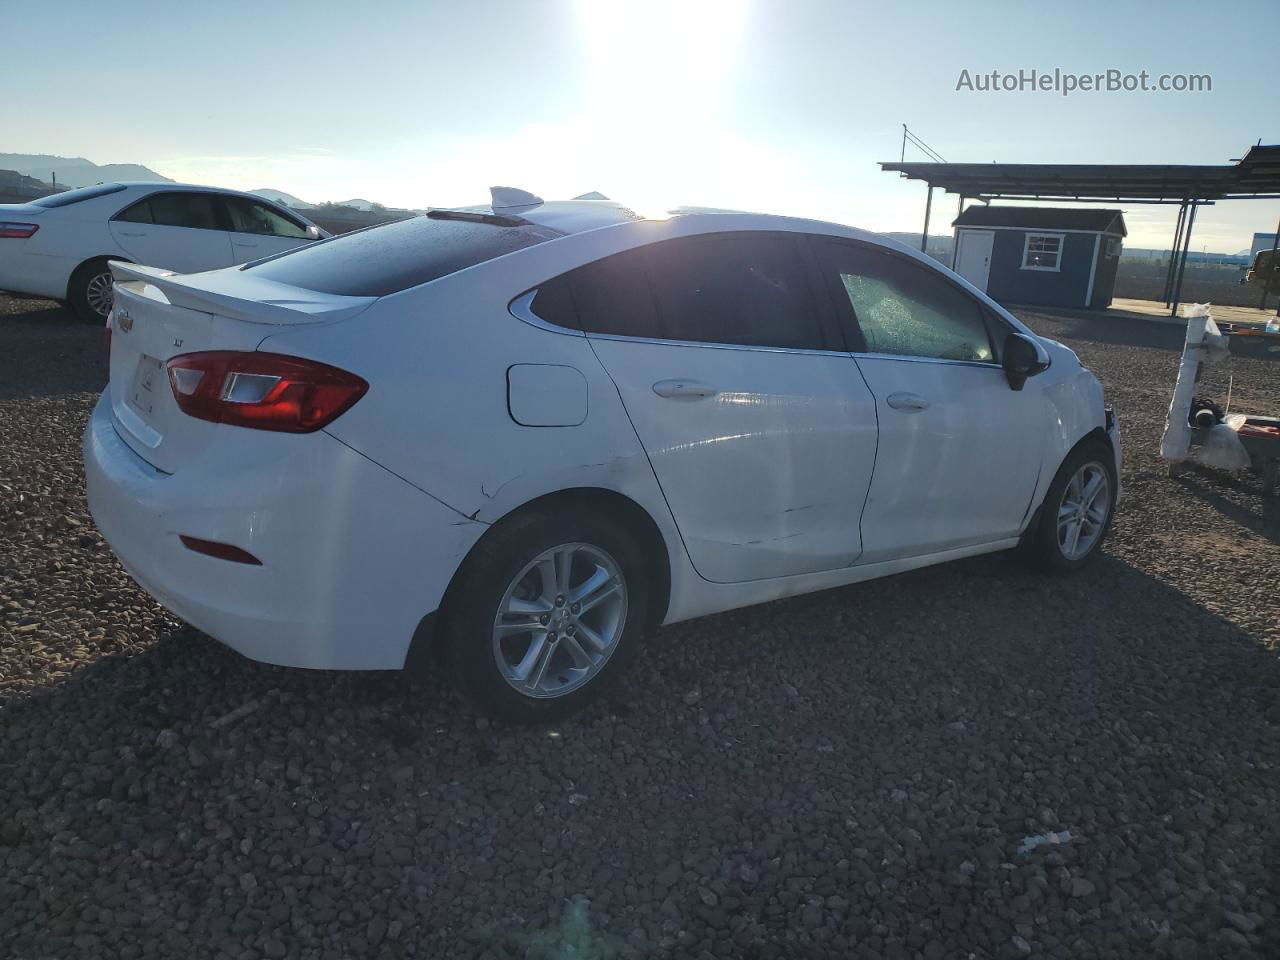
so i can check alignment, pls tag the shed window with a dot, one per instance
(1042, 251)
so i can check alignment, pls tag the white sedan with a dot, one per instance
(528, 432)
(59, 246)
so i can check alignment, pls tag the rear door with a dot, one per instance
(960, 452)
(178, 230)
(759, 429)
(260, 230)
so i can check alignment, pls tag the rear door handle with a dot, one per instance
(245, 243)
(907, 402)
(692, 389)
(132, 233)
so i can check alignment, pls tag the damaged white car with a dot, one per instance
(530, 431)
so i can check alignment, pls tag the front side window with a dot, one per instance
(248, 216)
(1042, 251)
(905, 309)
(198, 210)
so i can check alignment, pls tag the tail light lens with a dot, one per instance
(266, 391)
(17, 231)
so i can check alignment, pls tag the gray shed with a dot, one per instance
(1051, 256)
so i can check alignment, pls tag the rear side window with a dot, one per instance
(75, 196)
(749, 290)
(740, 289)
(197, 210)
(905, 309)
(395, 256)
(613, 297)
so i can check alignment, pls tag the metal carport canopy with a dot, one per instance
(1255, 176)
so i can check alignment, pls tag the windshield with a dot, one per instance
(75, 196)
(396, 256)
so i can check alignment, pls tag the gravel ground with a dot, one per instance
(847, 774)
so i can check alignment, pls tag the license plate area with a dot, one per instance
(148, 380)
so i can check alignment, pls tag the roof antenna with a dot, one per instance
(512, 200)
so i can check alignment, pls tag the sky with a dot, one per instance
(782, 107)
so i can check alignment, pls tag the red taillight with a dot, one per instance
(266, 391)
(17, 231)
(223, 551)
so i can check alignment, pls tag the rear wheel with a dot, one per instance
(1077, 509)
(89, 292)
(547, 611)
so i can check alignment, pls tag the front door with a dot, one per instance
(760, 431)
(174, 230)
(960, 452)
(973, 256)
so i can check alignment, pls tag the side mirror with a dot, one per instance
(1021, 358)
(314, 232)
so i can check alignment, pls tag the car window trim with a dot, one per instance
(982, 308)
(220, 213)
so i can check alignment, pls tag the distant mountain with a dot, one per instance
(288, 199)
(365, 205)
(75, 171)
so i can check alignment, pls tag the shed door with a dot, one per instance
(973, 256)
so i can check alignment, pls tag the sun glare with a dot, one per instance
(658, 69)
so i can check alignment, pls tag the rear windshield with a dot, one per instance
(75, 196)
(395, 256)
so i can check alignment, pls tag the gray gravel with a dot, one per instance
(848, 774)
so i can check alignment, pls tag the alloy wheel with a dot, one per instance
(560, 620)
(99, 294)
(1082, 514)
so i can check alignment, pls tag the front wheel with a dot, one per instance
(546, 613)
(1077, 510)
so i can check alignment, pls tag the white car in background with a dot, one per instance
(59, 246)
(532, 430)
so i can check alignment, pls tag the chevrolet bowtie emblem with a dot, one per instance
(124, 321)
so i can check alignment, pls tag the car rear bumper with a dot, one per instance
(352, 556)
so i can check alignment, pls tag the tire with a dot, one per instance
(1048, 546)
(84, 291)
(515, 577)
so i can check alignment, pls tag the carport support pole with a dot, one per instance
(1173, 255)
(1182, 261)
(955, 246)
(924, 236)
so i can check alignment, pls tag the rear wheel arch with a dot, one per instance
(76, 284)
(426, 646)
(618, 506)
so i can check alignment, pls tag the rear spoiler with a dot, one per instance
(238, 295)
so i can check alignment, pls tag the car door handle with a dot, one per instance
(672, 389)
(907, 402)
(245, 243)
(132, 233)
